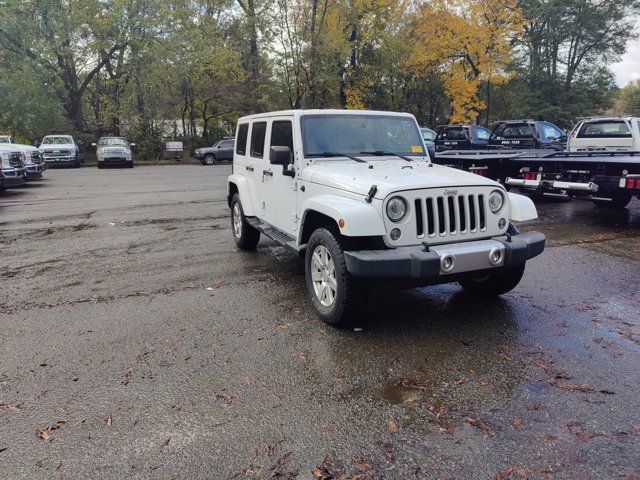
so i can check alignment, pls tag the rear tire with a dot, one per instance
(209, 159)
(130, 165)
(245, 236)
(336, 295)
(494, 284)
(619, 200)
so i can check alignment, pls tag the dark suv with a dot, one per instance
(462, 137)
(528, 134)
(223, 150)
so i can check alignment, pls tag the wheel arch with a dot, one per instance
(238, 184)
(358, 219)
(522, 208)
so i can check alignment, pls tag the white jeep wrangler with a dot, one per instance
(356, 194)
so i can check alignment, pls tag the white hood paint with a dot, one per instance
(389, 175)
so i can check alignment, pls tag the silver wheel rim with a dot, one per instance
(209, 160)
(237, 220)
(323, 276)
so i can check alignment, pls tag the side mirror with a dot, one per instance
(94, 145)
(280, 156)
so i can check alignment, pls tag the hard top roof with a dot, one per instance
(298, 113)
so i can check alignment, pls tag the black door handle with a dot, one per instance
(249, 168)
(267, 172)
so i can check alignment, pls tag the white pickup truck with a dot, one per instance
(614, 134)
(31, 158)
(356, 194)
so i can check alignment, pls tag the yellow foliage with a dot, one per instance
(468, 42)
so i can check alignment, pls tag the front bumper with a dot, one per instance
(59, 160)
(11, 178)
(35, 170)
(416, 263)
(115, 160)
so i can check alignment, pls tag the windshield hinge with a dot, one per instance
(372, 192)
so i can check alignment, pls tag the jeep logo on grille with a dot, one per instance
(451, 192)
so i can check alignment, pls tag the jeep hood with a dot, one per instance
(388, 175)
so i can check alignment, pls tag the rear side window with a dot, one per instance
(608, 129)
(453, 134)
(512, 130)
(258, 134)
(282, 134)
(227, 144)
(483, 133)
(551, 132)
(241, 146)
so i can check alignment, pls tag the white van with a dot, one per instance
(606, 134)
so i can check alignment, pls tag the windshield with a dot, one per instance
(120, 142)
(5, 139)
(353, 134)
(56, 140)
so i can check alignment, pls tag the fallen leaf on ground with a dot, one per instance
(517, 422)
(109, 421)
(127, 375)
(393, 427)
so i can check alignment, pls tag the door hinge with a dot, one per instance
(294, 218)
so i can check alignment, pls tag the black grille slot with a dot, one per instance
(452, 214)
(481, 208)
(472, 214)
(440, 207)
(461, 208)
(431, 229)
(419, 218)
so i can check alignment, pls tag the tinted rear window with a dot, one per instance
(512, 130)
(241, 147)
(258, 133)
(456, 133)
(609, 129)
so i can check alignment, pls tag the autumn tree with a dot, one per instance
(468, 42)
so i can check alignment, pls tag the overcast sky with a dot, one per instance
(629, 68)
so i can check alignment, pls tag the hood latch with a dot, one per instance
(372, 192)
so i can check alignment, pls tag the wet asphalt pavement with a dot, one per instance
(137, 342)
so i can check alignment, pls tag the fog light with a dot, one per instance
(395, 234)
(502, 223)
(447, 263)
(495, 256)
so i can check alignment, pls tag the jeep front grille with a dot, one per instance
(442, 215)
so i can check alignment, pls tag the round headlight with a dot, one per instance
(396, 209)
(496, 200)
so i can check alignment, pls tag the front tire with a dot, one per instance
(209, 159)
(336, 295)
(245, 236)
(494, 284)
(130, 165)
(619, 200)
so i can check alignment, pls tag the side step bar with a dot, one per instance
(275, 235)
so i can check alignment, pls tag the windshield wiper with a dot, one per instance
(380, 153)
(338, 154)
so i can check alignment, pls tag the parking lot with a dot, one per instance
(138, 342)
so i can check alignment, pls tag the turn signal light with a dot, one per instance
(633, 183)
(530, 176)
